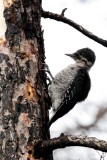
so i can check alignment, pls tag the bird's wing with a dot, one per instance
(77, 91)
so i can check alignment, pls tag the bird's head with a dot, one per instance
(85, 56)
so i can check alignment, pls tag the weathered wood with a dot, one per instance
(24, 100)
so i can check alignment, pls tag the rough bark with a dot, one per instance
(24, 100)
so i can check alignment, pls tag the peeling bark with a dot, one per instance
(24, 100)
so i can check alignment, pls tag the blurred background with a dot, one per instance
(89, 117)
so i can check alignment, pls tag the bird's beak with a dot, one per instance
(71, 55)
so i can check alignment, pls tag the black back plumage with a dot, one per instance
(77, 91)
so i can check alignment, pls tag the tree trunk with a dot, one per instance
(24, 100)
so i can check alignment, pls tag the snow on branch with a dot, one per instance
(84, 31)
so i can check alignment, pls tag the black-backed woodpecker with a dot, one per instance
(72, 84)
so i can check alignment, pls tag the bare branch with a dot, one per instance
(71, 140)
(63, 12)
(63, 19)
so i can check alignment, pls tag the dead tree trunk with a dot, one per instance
(24, 100)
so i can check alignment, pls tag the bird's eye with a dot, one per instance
(84, 60)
